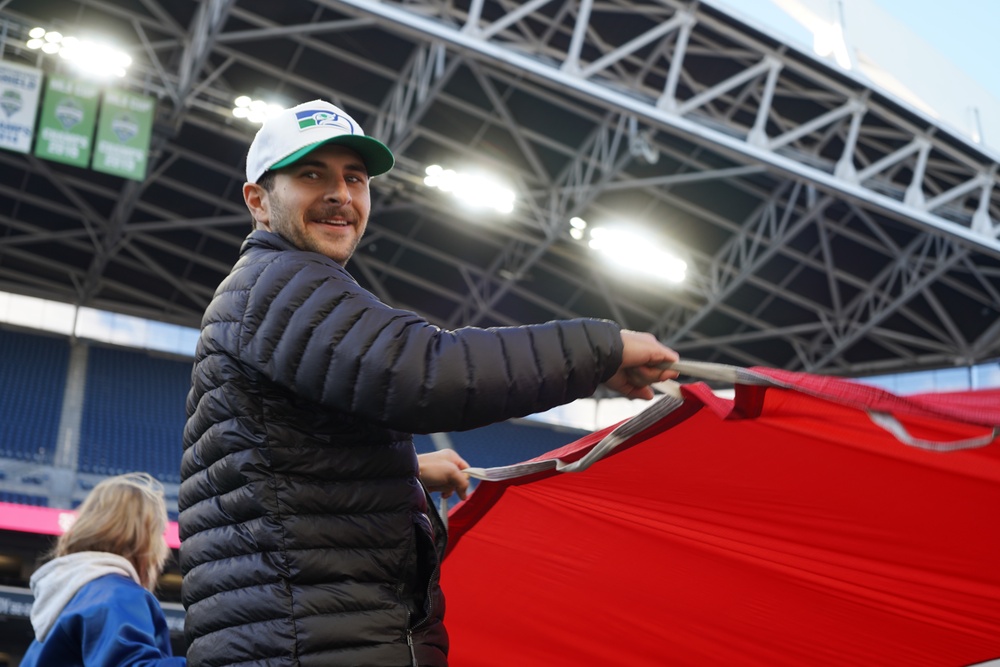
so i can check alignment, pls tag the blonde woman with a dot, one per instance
(93, 601)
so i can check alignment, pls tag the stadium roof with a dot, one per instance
(827, 226)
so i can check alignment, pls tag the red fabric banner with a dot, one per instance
(781, 528)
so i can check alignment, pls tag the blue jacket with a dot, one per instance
(111, 622)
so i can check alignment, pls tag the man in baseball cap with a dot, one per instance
(307, 535)
(325, 161)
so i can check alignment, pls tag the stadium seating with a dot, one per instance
(133, 413)
(510, 442)
(133, 416)
(32, 378)
(23, 499)
(423, 444)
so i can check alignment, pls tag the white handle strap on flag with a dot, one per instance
(737, 375)
(659, 408)
(672, 399)
(706, 370)
(892, 425)
(666, 404)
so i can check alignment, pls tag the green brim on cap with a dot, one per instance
(377, 156)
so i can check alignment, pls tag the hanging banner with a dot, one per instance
(66, 126)
(124, 128)
(19, 91)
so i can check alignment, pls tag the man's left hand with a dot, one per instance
(441, 472)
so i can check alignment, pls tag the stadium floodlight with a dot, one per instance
(47, 41)
(473, 190)
(93, 58)
(638, 253)
(255, 111)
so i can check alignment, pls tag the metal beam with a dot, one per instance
(406, 21)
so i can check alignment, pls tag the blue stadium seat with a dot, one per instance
(32, 381)
(510, 442)
(133, 413)
(23, 499)
(423, 443)
(501, 444)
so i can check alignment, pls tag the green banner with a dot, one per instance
(123, 132)
(66, 126)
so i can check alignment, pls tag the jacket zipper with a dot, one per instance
(409, 631)
(435, 575)
(427, 616)
(413, 653)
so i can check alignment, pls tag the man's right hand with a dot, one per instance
(643, 358)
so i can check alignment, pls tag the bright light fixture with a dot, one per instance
(635, 252)
(99, 59)
(474, 190)
(89, 57)
(255, 111)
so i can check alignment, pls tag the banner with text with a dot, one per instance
(20, 87)
(124, 129)
(66, 126)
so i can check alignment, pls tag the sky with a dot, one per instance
(942, 56)
(966, 33)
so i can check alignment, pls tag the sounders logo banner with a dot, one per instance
(11, 102)
(124, 130)
(66, 126)
(20, 90)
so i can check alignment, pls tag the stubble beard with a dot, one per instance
(283, 223)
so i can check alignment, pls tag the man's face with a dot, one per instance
(321, 203)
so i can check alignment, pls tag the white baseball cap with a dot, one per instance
(293, 133)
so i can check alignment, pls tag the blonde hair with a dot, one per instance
(124, 515)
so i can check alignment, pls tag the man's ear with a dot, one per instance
(255, 197)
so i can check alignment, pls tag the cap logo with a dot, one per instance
(320, 117)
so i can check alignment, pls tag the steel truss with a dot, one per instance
(828, 227)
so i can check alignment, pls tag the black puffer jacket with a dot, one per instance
(306, 536)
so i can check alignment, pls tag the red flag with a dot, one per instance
(785, 527)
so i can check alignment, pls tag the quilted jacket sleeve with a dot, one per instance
(310, 328)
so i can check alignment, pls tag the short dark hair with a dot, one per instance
(265, 181)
